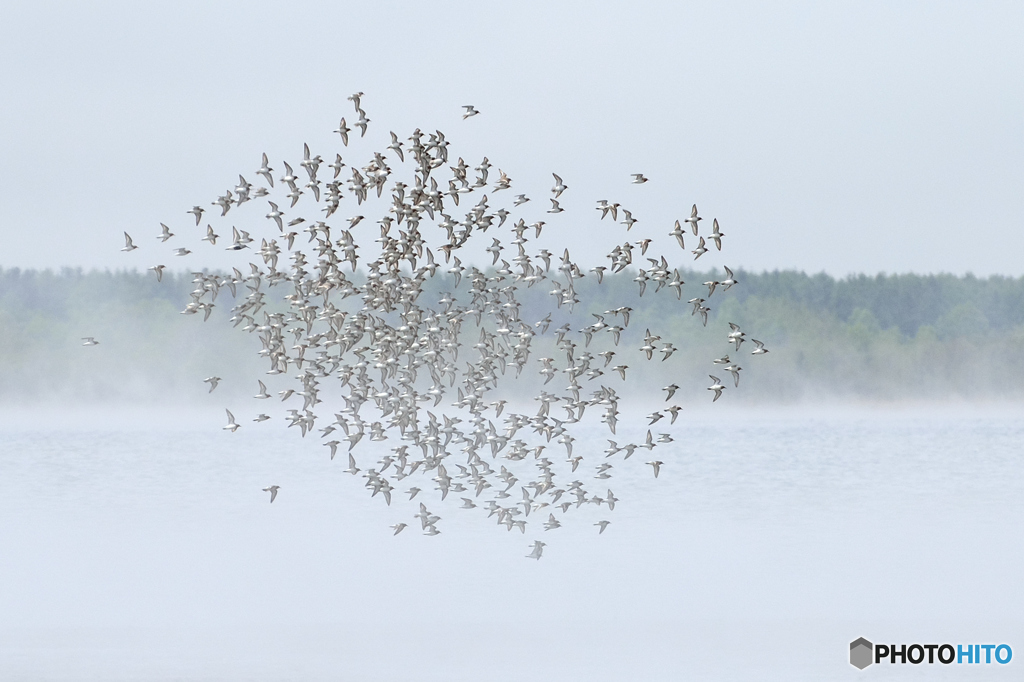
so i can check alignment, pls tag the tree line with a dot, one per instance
(877, 337)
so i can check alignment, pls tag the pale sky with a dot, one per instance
(838, 137)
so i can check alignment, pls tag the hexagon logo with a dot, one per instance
(861, 653)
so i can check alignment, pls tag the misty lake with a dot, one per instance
(139, 545)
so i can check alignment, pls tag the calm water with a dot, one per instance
(139, 546)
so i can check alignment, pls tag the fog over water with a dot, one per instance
(138, 545)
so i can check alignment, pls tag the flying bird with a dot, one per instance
(538, 549)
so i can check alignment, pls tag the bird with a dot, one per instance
(760, 349)
(639, 179)
(469, 111)
(362, 125)
(276, 215)
(265, 170)
(729, 281)
(197, 211)
(736, 335)
(232, 425)
(693, 219)
(89, 341)
(717, 387)
(559, 186)
(128, 245)
(210, 235)
(262, 395)
(213, 381)
(538, 549)
(657, 466)
(677, 232)
(716, 235)
(395, 146)
(343, 130)
(273, 492)
(700, 250)
(603, 524)
(399, 527)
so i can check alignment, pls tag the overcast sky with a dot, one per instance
(837, 137)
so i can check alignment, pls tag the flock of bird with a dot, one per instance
(419, 345)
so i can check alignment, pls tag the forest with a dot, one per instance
(901, 337)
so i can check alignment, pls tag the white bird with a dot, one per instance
(276, 215)
(361, 124)
(693, 219)
(210, 235)
(273, 492)
(716, 235)
(343, 130)
(398, 527)
(213, 381)
(197, 211)
(165, 233)
(760, 350)
(470, 111)
(604, 524)
(559, 186)
(610, 500)
(700, 250)
(181, 252)
(128, 246)
(678, 232)
(639, 179)
(232, 425)
(265, 170)
(729, 281)
(89, 341)
(657, 466)
(717, 387)
(629, 221)
(159, 270)
(263, 395)
(538, 549)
